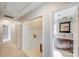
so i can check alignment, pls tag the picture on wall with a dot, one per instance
(64, 27)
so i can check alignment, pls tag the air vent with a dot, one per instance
(8, 16)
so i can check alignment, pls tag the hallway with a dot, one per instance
(39, 29)
(8, 49)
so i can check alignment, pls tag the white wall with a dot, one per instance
(76, 32)
(18, 34)
(26, 36)
(47, 12)
(14, 26)
(0, 33)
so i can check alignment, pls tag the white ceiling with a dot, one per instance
(17, 9)
(14, 8)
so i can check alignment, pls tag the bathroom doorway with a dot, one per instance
(6, 32)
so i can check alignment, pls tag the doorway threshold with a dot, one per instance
(33, 53)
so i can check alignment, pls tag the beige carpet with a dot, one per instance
(10, 50)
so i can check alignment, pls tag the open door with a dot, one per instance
(6, 32)
(32, 37)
